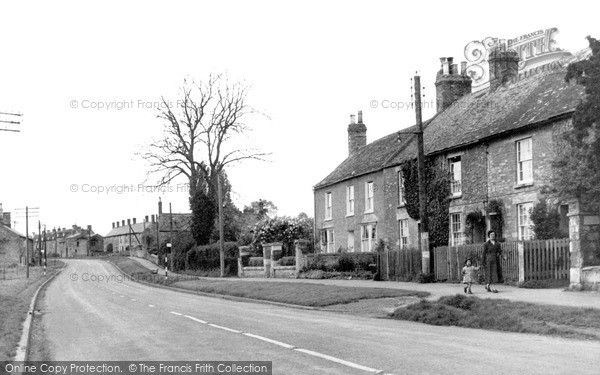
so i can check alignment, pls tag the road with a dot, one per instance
(123, 320)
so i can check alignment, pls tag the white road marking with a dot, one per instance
(225, 328)
(340, 361)
(150, 305)
(287, 346)
(133, 299)
(195, 319)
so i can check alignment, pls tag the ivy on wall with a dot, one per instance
(437, 184)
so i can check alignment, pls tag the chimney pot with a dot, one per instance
(122, 223)
(113, 225)
(146, 218)
(360, 117)
(352, 122)
(463, 67)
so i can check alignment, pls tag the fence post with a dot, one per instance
(521, 252)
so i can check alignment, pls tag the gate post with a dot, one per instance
(426, 268)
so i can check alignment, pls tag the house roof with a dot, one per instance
(474, 118)
(124, 229)
(14, 232)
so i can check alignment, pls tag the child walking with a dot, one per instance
(469, 275)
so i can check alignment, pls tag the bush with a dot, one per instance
(347, 263)
(287, 261)
(255, 262)
(245, 259)
(425, 278)
(208, 257)
(109, 248)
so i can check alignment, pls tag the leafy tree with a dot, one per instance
(437, 184)
(253, 214)
(577, 163)
(285, 230)
(546, 221)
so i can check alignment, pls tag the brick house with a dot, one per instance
(496, 143)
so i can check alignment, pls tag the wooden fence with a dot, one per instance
(399, 265)
(525, 260)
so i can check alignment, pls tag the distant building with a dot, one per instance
(130, 234)
(66, 243)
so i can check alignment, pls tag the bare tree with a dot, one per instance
(198, 131)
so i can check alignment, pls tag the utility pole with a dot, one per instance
(40, 242)
(170, 259)
(221, 235)
(45, 251)
(27, 238)
(423, 234)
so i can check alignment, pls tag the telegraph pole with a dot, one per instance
(170, 259)
(27, 239)
(221, 235)
(45, 250)
(423, 234)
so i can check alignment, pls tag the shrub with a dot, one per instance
(347, 263)
(109, 248)
(256, 262)
(425, 278)
(208, 257)
(245, 259)
(287, 261)
(331, 264)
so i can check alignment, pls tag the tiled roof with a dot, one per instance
(474, 118)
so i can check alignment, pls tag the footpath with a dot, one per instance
(555, 296)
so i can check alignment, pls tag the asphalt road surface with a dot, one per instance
(87, 318)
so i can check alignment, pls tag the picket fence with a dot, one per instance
(525, 260)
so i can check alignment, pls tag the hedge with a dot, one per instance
(208, 258)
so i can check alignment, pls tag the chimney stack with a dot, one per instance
(113, 224)
(159, 206)
(134, 220)
(450, 84)
(146, 218)
(357, 134)
(504, 66)
(153, 218)
(122, 223)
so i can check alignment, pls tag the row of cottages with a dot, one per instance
(497, 144)
(130, 234)
(72, 242)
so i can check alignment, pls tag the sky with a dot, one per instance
(87, 76)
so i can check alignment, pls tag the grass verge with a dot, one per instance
(504, 315)
(15, 297)
(303, 294)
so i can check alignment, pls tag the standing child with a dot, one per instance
(469, 275)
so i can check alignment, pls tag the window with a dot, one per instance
(524, 221)
(328, 206)
(524, 161)
(403, 229)
(456, 176)
(327, 240)
(401, 200)
(350, 200)
(368, 235)
(369, 196)
(456, 229)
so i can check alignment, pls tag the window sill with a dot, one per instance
(328, 219)
(523, 185)
(402, 205)
(349, 215)
(369, 211)
(456, 196)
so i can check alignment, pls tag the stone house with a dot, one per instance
(496, 144)
(12, 246)
(63, 242)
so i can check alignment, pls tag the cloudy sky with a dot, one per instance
(309, 64)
